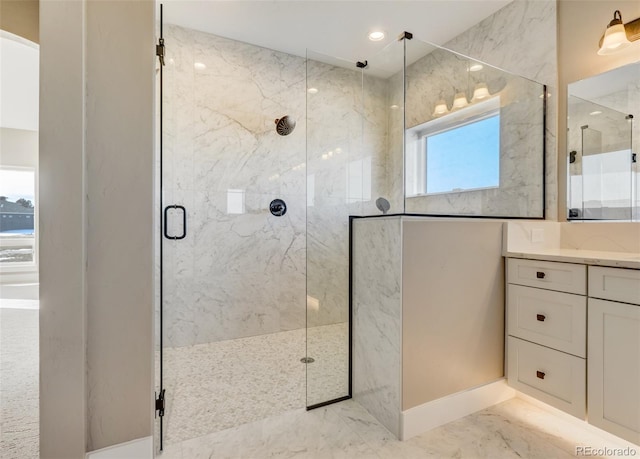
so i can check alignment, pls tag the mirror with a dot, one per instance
(602, 142)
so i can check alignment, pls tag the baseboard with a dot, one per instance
(430, 415)
(142, 448)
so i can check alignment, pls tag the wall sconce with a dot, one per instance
(441, 108)
(459, 101)
(480, 92)
(618, 35)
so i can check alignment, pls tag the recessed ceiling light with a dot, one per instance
(312, 90)
(596, 112)
(475, 67)
(394, 107)
(199, 66)
(376, 36)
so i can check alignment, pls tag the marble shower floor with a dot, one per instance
(216, 386)
(19, 395)
(512, 429)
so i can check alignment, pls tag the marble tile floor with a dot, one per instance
(512, 429)
(19, 397)
(216, 386)
(328, 375)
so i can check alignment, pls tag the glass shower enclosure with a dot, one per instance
(265, 155)
(266, 160)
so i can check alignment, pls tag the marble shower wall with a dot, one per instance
(440, 75)
(499, 40)
(626, 101)
(377, 318)
(521, 39)
(346, 144)
(240, 271)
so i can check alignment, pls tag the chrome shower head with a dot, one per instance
(383, 205)
(285, 125)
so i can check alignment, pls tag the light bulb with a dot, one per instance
(441, 108)
(459, 101)
(615, 39)
(480, 92)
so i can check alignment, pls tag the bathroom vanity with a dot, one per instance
(573, 324)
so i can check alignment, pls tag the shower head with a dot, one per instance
(285, 125)
(383, 205)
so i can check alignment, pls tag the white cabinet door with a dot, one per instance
(613, 375)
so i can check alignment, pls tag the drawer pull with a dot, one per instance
(540, 374)
(541, 317)
(540, 275)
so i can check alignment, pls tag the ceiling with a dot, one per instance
(334, 28)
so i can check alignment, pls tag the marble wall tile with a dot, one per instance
(499, 41)
(517, 235)
(603, 236)
(440, 75)
(239, 272)
(346, 158)
(243, 274)
(377, 319)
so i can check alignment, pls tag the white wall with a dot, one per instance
(18, 147)
(119, 117)
(96, 162)
(62, 232)
(18, 82)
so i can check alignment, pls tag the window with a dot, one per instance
(17, 216)
(465, 157)
(456, 152)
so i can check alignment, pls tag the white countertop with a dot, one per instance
(586, 257)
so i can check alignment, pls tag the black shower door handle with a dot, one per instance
(166, 222)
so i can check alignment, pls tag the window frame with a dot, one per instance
(463, 117)
(30, 266)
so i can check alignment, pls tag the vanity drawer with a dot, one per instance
(563, 277)
(552, 376)
(553, 319)
(615, 284)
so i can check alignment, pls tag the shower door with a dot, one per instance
(233, 233)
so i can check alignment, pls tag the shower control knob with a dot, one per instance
(278, 207)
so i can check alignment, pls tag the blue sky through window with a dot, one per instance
(465, 157)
